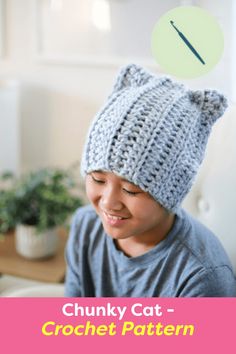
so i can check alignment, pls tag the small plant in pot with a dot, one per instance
(43, 200)
(7, 203)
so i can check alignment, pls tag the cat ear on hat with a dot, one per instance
(211, 103)
(132, 75)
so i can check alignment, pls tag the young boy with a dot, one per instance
(142, 153)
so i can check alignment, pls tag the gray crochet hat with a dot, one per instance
(153, 132)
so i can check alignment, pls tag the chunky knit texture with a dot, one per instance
(153, 132)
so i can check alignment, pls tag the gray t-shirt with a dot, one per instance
(189, 262)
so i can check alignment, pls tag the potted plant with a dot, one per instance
(43, 200)
(7, 205)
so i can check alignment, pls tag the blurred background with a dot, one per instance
(58, 61)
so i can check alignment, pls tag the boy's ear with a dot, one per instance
(132, 75)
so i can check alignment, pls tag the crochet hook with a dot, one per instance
(186, 41)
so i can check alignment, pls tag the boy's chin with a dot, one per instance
(115, 233)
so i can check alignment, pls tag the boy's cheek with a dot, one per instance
(89, 191)
(91, 195)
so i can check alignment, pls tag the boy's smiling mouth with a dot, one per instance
(113, 216)
(114, 220)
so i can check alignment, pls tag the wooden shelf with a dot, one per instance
(46, 270)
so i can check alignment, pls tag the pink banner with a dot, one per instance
(116, 325)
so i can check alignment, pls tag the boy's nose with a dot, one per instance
(111, 201)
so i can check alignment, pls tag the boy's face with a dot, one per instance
(125, 209)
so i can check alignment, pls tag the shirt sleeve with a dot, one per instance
(213, 282)
(72, 281)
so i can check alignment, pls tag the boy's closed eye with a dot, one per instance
(100, 180)
(97, 180)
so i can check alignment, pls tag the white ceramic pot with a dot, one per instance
(34, 245)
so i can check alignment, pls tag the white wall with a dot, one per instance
(57, 102)
(9, 126)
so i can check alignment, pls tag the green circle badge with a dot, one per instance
(187, 42)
